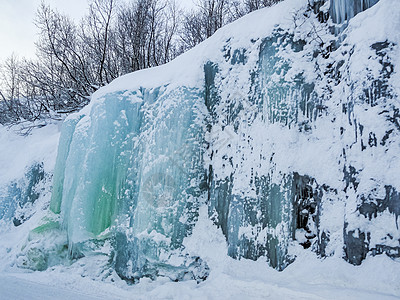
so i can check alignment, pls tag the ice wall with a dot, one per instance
(344, 10)
(250, 197)
(20, 193)
(277, 126)
(140, 174)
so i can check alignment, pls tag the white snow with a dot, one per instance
(19, 152)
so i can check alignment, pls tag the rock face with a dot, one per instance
(20, 193)
(287, 132)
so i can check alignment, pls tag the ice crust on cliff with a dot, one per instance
(283, 127)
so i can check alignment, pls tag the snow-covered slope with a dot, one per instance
(26, 164)
(276, 140)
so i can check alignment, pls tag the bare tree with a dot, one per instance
(210, 15)
(203, 21)
(96, 41)
(114, 38)
(252, 5)
(146, 33)
(10, 110)
(17, 97)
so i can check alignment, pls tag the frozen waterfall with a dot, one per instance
(278, 128)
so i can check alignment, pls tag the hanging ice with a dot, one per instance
(265, 129)
(140, 157)
(344, 10)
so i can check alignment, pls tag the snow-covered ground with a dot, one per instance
(307, 278)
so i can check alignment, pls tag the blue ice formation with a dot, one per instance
(18, 193)
(279, 141)
(344, 10)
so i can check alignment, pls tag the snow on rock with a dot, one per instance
(276, 141)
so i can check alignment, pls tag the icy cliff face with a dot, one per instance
(344, 10)
(25, 175)
(341, 11)
(287, 133)
(18, 194)
(140, 158)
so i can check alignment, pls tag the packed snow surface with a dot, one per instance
(307, 278)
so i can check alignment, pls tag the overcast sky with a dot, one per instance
(17, 31)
